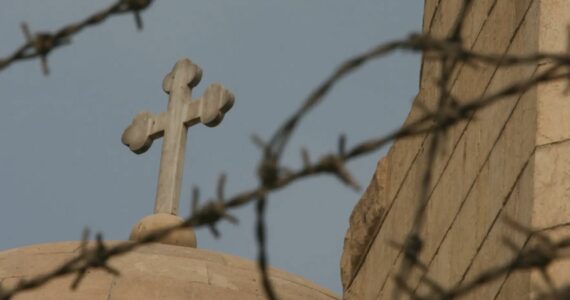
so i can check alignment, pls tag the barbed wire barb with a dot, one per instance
(41, 44)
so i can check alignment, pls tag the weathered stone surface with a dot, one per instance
(558, 271)
(493, 251)
(149, 224)
(364, 220)
(526, 284)
(472, 213)
(511, 160)
(552, 185)
(553, 99)
(481, 214)
(156, 271)
(517, 286)
(95, 285)
(464, 150)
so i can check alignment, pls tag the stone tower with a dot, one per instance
(512, 159)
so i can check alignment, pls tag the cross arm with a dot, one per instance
(145, 128)
(208, 110)
(211, 107)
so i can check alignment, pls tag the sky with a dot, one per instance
(63, 166)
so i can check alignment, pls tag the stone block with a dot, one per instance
(12, 267)
(364, 220)
(553, 107)
(553, 99)
(509, 160)
(430, 7)
(517, 286)
(394, 229)
(95, 285)
(493, 251)
(477, 213)
(291, 290)
(469, 154)
(182, 252)
(558, 270)
(552, 185)
(444, 17)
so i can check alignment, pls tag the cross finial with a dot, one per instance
(182, 112)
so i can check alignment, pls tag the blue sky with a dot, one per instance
(62, 164)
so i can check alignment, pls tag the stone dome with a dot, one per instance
(156, 271)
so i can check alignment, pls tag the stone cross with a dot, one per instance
(182, 112)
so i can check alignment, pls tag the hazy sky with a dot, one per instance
(62, 164)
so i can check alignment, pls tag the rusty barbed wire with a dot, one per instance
(40, 44)
(262, 259)
(273, 176)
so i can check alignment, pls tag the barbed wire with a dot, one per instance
(413, 242)
(40, 44)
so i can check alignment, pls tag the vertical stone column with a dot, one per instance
(512, 159)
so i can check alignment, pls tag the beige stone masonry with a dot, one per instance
(553, 100)
(404, 153)
(401, 149)
(512, 160)
(363, 223)
(155, 271)
(492, 252)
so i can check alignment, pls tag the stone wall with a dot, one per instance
(512, 159)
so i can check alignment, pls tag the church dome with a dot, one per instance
(155, 271)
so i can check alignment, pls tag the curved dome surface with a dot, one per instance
(155, 271)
